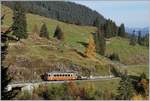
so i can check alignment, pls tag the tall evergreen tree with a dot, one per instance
(125, 90)
(44, 31)
(19, 21)
(100, 41)
(5, 78)
(143, 40)
(139, 38)
(96, 22)
(114, 29)
(121, 31)
(146, 40)
(58, 33)
(108, 30)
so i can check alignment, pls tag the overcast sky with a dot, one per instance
(131, 13)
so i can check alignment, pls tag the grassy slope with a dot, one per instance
(103, 85)
(137, 69)
(73, 35)
(35, 56)
(127, 53)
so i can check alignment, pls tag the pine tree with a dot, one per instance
(143, 40)
(125, 90)
(110, 29)
(58, 33)
(5, 78)
(96, 22)
(44, 32)
(100, 41)
(114, 29)
(19, 21)
(121, 31)
(139, 38)
(146, 40)
(90, 50)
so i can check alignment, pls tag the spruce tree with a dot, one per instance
(58, 33)
(100, 41)
(114, 29)
(125, 90)
(146, 40)
(108, 30)
(19, 21)
(44, 32)
(96, 22)
(139, 38)
(121, 31)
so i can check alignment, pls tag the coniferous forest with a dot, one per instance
(64, 11)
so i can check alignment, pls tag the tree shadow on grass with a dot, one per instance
(78, 52)
(83, 43)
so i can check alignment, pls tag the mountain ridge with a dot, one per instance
(144, 30)
(65, 11)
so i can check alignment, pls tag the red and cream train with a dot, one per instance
(58, 76)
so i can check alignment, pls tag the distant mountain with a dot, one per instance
(144, 30)
(60, 10)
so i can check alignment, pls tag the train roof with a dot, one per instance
(53, 72)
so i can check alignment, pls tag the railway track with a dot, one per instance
(32, 84)
(82, 79)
